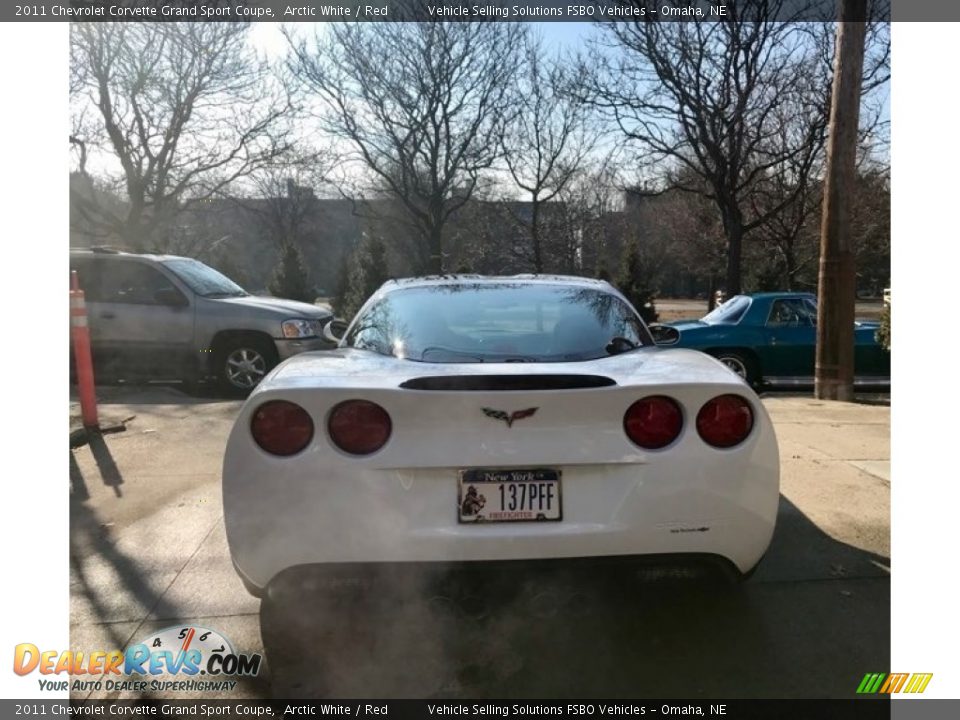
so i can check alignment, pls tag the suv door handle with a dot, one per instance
(107, 315)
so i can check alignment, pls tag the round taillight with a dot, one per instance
(281, 427)
(359, 427)
(725, 421)
(653, 422)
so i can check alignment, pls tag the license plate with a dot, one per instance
(496, 495)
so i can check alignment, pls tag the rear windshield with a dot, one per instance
(730, 312)
(503, 322)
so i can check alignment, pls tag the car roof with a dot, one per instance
(100, 252)
(469, 279)
(784, 294)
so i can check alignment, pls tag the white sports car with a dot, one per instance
(470, 418)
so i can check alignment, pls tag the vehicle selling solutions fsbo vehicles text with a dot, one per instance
(573, 11)
(618, 709)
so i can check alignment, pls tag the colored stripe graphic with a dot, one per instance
(871, 682)
(894, 682)
(918, 682)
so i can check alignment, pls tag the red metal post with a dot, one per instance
(80, 335)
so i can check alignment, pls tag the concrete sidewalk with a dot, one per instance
(148, 549)
(835, 470)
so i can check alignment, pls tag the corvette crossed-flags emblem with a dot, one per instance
(511, 417)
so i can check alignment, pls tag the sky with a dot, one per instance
(562, 36)
(559, 37)
(267, 38)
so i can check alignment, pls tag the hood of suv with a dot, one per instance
(277, 307)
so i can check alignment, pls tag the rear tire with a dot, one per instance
(242, 361)
(742, 364)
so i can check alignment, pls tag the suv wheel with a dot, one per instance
(243, 362)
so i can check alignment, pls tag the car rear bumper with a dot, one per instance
(392, 518)
(300, 581)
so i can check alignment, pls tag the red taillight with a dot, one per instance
(653, 422)
(359, 427)
(725, 421)
(281, 427)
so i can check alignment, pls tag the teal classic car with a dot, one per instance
(771, 338)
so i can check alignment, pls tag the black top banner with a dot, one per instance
(454, 10)
(878, 708)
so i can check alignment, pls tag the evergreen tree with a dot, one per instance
(367, 269)
(342, 290)
(602, 272)
(290, 277)
(376, 270)
(630, 283)
(883, 332)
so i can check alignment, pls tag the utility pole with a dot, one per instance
(837, 291)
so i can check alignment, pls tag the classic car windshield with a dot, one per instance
(497, 322)
(203, 279)
(729, 313)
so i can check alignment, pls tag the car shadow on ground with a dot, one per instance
(114, 591)
(160, 392)
(799, 628)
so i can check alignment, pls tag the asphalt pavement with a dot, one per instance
(148, 551)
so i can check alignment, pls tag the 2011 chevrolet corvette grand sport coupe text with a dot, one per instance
(467, 418)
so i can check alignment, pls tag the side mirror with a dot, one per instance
(170, 297)
(335, 330)
(664, 334)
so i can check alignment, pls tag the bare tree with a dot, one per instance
(593, 224)
(282, 198)
(709, 98)
(691, 235)
(180, 110)
(548, 142)
(788, 200)
(870, 222)
(423, 106)
(790, 197)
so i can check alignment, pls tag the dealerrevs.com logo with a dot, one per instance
(172, 659)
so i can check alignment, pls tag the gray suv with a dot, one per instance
(162, 316)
